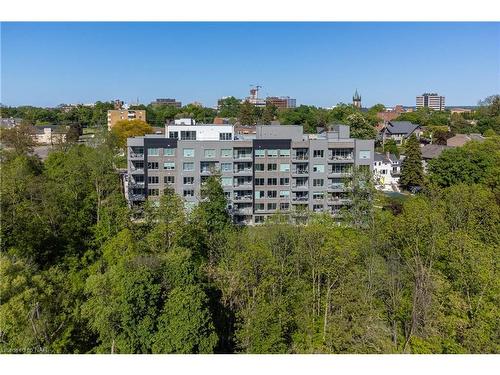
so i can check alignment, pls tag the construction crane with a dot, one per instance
(254, 91)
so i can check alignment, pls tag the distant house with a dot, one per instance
(461, 139)
(49, 134)
(399, 131)
(10, 122)
(431, 151)
(386, 171)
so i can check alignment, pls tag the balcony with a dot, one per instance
(300, 186)
(337, 186)
(341, 158)
(300, 199)
(337, 201)
(300, 171)
(243, 171)
(134, 155)
(247, 184)
(137, 197)
(135, 170)
(243, 198)
(242, 211)
(134, 184)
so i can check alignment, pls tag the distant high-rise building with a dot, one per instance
(167, 102)
(356, 100)
(431, 100)
(118, 104)
(281, 102)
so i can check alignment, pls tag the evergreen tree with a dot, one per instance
(412, 170)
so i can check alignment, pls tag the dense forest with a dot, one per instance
(82, 273)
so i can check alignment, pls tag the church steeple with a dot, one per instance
(356, 99)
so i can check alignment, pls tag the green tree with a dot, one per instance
(360, 127)
(391, 147)
(412, 173)
(126, 129)
(229, 107)
(247, 113)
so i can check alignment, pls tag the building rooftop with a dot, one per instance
(401, 127)
(432, 151)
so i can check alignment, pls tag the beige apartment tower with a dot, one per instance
(116, 115)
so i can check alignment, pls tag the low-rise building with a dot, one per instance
(431, 151)
(49, 134)
(116, 115)
(399, 131)
(458, 140)
(386, 171)
(276, 169)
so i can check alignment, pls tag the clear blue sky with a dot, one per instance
(46, 64)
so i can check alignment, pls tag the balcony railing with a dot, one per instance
(134, 155)
(341, 157)
(300, 171)
(337, 186)
(243, 184)
(300, 199)
(243, 197)
(242, 156)
(300, 157)
(244, 170)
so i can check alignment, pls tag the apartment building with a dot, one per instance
(282, 102)
(431, 100)
(167, 102)
(116, 115)
(279, 168)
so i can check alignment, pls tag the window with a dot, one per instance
(188, 153)
(272, 153)
(318, 182)
(174, 135)
(260, 153)
(318, 168)
(227, 181)
(364, 154)
(318, 154)
(318, 196)
(259, 219)
(259, 167)
(272, 194)
(272, 167)
(188, 167)
(169, 152)
(271, 206)
(153, 152)
(284, 152)
(153, 179)
(169, 179)
(188, 135)
(272, 181)
(153, 165)
(154, 192)
(170, 165)
(188, 193)
(259, 194)
(284, 206)
(284, 181)
(259, 206)
(284, 193)
(210, 153)
(317, 207)
(341, 168)
(138, 177)
(226, 153)
(284, 167)
(259, 181)
(188, 180)
(226, 167)
(225, 136)
(138, 164)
